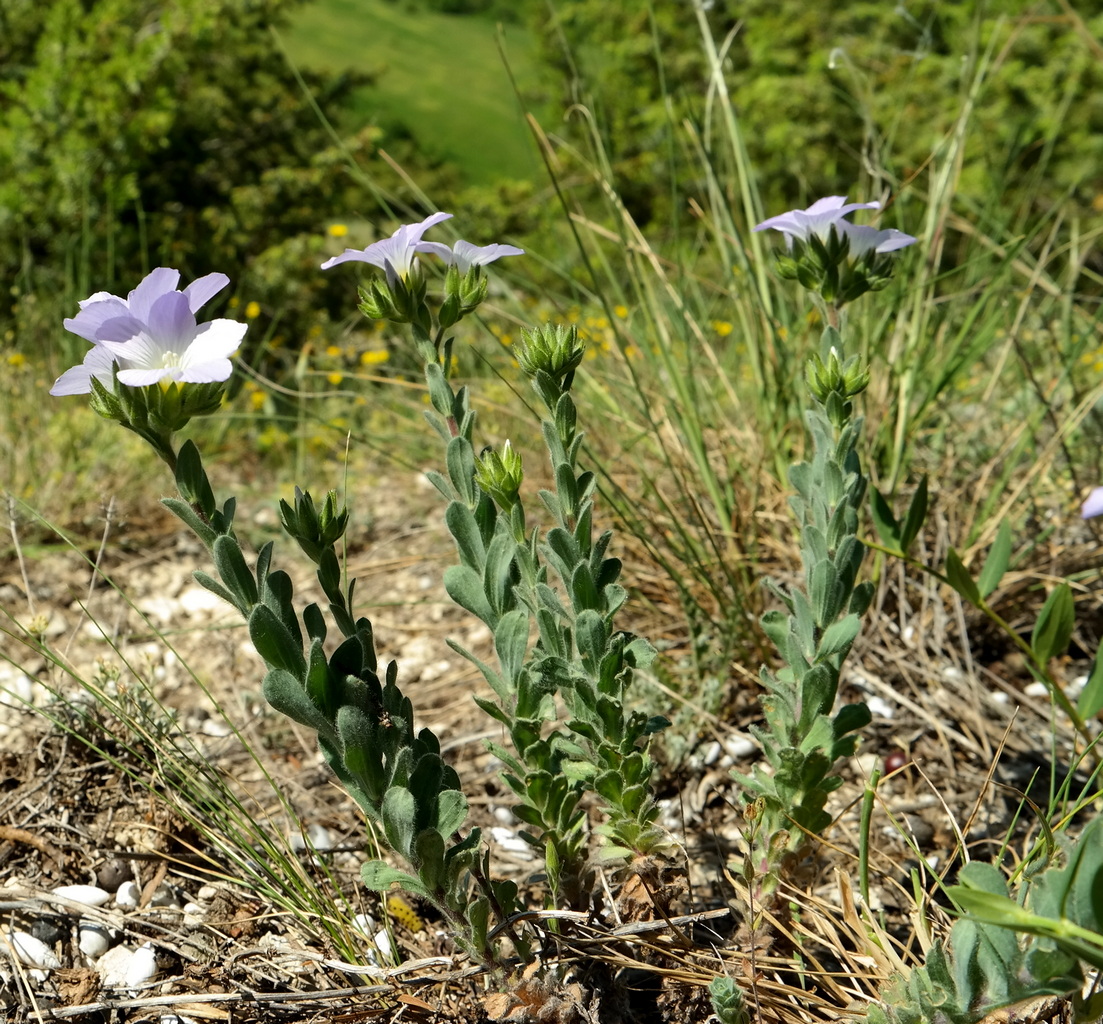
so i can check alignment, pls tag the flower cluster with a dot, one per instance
(830, 255)
(396, 256)
(152, 335)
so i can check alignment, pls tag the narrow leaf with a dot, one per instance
(913, 521)
(1053, 630)
(995, 565)
(959, 578)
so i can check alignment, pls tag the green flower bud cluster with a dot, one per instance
(828, 268)
(462, 294)
(500, 475)
(313, 530)
(400, 300)
(155, 412)
(554, 349)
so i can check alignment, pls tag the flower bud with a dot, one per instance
(312, 530)
(552, 349)
(500, 475)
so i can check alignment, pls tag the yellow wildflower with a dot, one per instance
(621, 311)
(16, 360)
(335, 378)
(252, 311)
(338, 230)
(374, 356)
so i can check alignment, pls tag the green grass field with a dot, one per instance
(441, 75)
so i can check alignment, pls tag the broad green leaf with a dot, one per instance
(461, 523)
(465, 587)
(379, 877)
(885, 522)
(451, 812)
(838, 637)
(995, 565)
(274, 642)
(959, 578)
(399, 814)
(510, 643)
(1091, 698)
(1053, 630)
(917, 513)
(230, 563)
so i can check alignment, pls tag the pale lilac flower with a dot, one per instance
(394, 255)
(1093, 504)
(864, 239)
(817, 220)
(153, 335)
(465, 255)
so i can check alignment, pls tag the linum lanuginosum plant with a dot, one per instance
(152, 368)
(364, 722)
(560, 586)
(805, 736)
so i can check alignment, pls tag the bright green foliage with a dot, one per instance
(563, 587)
(985, 965)
(804, 735)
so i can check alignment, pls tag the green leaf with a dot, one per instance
(1091, 698)
(460, 459)
(995, 565)
(188, 516)
(511, 642)
(460, 521)
(192, 480)
(208, 582)
(274, 642)
(451, 812)
(884, 522)
(429, 858)
(230, 563)
(958, 577)
(1053, 630)
(838, 637)
(379, 877)
(917, 513)
(399, 813)
(285, 693)
(465, 587)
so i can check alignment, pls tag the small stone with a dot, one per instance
(33, 952)
(113, 873)
(89, 895)
(127, 895)
(142, 966)
(94, 940)
(1036, 689)
(113, 965)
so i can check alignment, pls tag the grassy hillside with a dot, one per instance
(442, 75)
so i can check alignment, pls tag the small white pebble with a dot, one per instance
(740, 746)
(33, 952)
(908, 635)
(712, 753)
(128, 895)
(879, 707)
(507, 839)
(383, 944)
(320, 837)
(952, 674)
(93, 939)
(142, 966)
(89, 895)
(504, 816)
(193, 915)
(1036, 689)
(113, 965)
(207, 893)
(999, 697)
(216, 727)
(365, 924)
